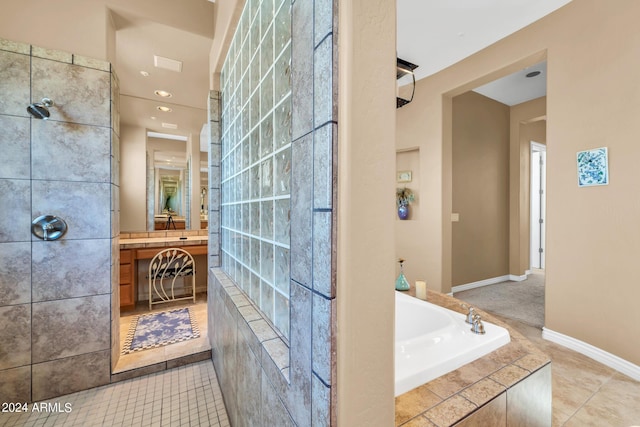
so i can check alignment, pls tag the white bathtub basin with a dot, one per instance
(432, 341)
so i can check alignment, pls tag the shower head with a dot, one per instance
(39, 110)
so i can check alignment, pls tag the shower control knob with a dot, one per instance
(48, 227)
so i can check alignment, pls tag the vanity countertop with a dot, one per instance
(163, 238)
(455, 395)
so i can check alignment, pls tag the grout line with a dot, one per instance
(589, 398)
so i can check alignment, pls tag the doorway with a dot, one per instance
(537, 197)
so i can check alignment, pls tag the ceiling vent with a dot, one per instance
(167, 63)
(170, 125)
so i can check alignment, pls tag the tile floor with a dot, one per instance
(585, 392)
(138, 359)
(184, 396)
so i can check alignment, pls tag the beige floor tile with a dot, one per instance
(585, 392)
(568, 396)
(559, 417)
(615, 404)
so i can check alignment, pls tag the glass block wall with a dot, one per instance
(256, 157)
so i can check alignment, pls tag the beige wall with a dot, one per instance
(480, 150)
(593, 101)
(133, 176)
(82, 27)
(366, 184)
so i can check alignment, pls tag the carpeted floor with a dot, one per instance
(523, 301)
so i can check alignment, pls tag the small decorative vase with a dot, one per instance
(403, 211)
(401, 282)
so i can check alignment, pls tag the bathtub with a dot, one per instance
(431, 341)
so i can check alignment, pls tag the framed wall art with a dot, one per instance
(593, 167)
(403, 176)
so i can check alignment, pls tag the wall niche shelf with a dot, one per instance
(408, 175)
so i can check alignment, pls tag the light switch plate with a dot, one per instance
(455, 217)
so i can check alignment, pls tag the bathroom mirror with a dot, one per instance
(164, 175)
(204, 203)
(170, 195)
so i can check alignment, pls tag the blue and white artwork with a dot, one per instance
(593, 167)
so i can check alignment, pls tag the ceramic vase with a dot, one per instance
(403, 211)
(401, 282)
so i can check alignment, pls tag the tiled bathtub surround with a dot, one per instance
(495, 389)
(275, 245)
(56, 296)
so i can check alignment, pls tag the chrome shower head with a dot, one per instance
(39, 110)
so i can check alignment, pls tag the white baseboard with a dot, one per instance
(487, 282)
(480, 283)
(595, 353)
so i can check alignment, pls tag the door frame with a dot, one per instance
(537, 211)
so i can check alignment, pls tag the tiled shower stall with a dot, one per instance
(56, 297)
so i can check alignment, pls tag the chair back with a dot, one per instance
(167, 266)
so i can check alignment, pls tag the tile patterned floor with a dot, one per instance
(585, 392)
(185, 396)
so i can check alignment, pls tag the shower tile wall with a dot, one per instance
(265, 379)
(56, 296)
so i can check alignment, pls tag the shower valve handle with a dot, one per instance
(48, 227)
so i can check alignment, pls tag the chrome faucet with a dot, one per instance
(477, 327)
(470, 315)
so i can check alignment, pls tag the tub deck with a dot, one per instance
(454, 396)
(432, 341)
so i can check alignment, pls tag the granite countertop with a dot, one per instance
(453, 396)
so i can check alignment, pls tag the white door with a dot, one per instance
(538, 205)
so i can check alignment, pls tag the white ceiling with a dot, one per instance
(435, 34)
(137, 41)
(517, 88)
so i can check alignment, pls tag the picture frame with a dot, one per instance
(593, 167)
(403, 176)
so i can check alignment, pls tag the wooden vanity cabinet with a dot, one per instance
(127, 288)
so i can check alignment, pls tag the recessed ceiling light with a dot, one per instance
(533, 74)
(144, 73)
(153, 117)
(164, 109)
(163, 93)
